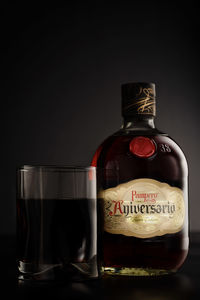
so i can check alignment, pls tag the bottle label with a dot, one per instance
(143, 208)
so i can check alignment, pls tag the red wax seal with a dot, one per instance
(142, 146)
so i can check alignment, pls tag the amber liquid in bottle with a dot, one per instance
(138, 151)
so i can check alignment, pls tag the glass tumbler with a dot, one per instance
(56, 223)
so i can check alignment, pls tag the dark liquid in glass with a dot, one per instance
(55, 232)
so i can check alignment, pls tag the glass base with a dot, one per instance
(58, 272)
(136, 271)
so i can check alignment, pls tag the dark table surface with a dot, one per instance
(183, 285)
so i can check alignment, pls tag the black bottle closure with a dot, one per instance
(138, 98)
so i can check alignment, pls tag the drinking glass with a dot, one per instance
(57, 223)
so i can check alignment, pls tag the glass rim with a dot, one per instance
(55, 168)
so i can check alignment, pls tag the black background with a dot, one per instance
(62, 66)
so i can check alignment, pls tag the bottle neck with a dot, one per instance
(138, 123)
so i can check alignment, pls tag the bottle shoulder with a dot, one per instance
(138, 131)
(155, 134)
(116, 149)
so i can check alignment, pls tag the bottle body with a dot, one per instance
(143, 193)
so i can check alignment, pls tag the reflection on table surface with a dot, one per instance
(152, 288)
(183, 285)
(177, 286)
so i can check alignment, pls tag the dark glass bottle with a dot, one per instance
(143, 192)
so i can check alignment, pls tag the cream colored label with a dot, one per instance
(143, 208)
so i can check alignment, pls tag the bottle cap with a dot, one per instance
(138, 98)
